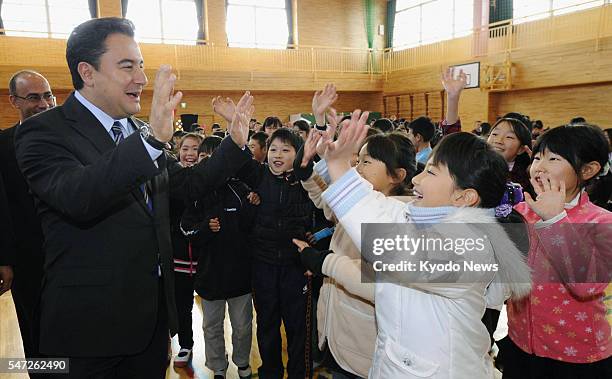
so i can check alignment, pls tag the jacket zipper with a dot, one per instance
(280, 202)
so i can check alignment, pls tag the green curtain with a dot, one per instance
(369, 22)
(390, 23)
(200, 15)
(500, 10)
(1, 23)
(93, 8)
(290, 21)
(124, 6)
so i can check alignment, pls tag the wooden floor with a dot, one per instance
(11, 347)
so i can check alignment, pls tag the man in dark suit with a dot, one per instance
(7, 244)
(30, 94)
(100, 181)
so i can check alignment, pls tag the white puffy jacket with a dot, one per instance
(425, 329)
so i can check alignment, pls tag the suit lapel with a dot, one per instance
(87, 125)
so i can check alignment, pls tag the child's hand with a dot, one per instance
(253, 198)
(214, 225)
(310, 147)
(312, 259)
(224, 107)
(311, 239)
(239, 126)
(329, 134)
(453, 86)
(301, 245)
(323, 100)
(338, 154)
(550, 200)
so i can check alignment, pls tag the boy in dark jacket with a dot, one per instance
(281, 288)
(218, 226)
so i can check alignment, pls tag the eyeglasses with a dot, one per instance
(36, 98)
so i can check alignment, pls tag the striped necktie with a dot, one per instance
(117, 132)
(118, 137)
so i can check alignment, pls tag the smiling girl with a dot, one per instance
(429, 326)
(345, 311)
(561, 330)
(510, 136)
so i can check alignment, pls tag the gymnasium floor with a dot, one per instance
(11, 347)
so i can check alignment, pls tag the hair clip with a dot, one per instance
(503, 210)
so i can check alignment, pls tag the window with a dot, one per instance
(43, 18)
(257, 23)
(419, 22)
(164, 21)
(529, 10)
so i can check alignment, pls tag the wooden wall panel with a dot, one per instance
(337, 23)
(281, 104)
(333, 23)
(556, 106)
(216, 22)
(109, 8)
(541, 79)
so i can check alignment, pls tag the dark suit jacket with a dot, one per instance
(29, 256)
(102, 244)
(7, 240)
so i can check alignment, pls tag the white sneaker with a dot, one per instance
(182, 358)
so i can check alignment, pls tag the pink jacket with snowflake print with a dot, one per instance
(564, 317)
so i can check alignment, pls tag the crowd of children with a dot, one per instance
(293, 214)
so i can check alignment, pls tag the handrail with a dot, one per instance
(501, 37)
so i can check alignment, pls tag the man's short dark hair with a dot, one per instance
(16, 76)
(423, 126)
(87, 43)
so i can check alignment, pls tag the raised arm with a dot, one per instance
(322, 101)
(229, 158)
(83, 192)
(453, 87)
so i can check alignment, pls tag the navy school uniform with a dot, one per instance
(281, 291)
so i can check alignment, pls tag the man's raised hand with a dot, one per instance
(163, 104)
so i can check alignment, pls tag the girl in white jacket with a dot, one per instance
(345, 309)
(429, 324)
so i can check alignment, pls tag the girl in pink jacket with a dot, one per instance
(560, 331)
